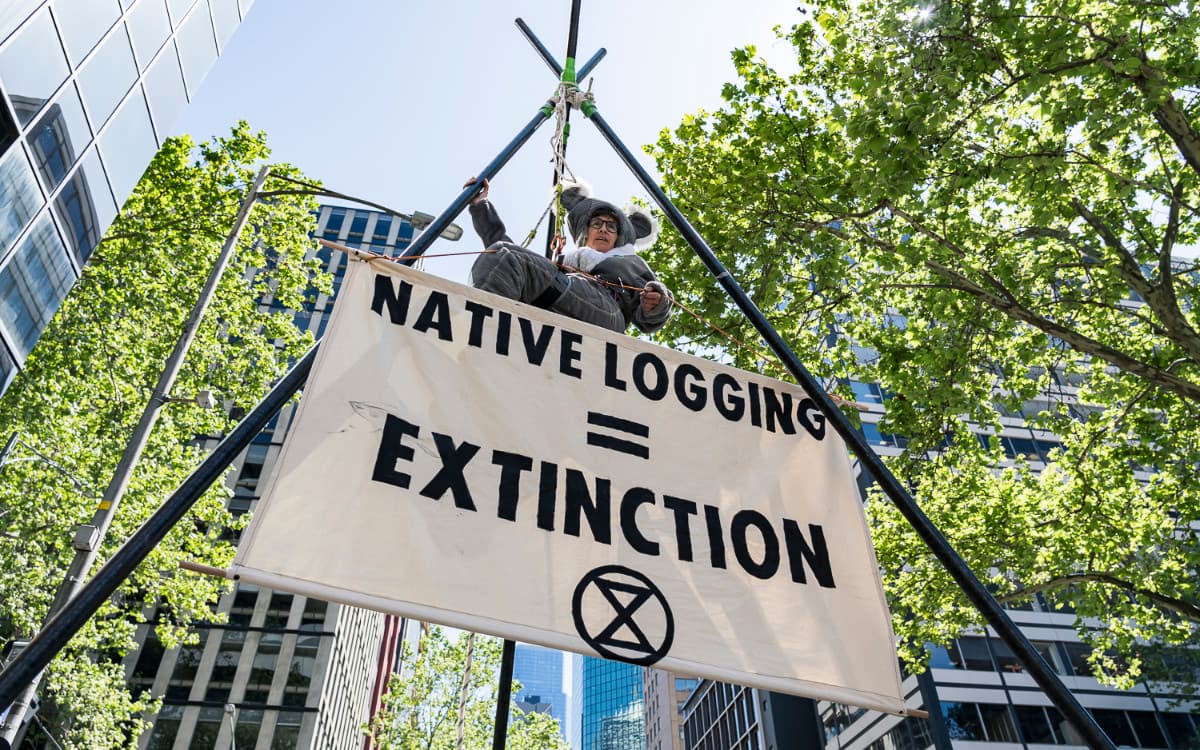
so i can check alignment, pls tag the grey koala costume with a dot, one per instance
(514, 272)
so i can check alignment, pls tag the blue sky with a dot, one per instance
(399, 102)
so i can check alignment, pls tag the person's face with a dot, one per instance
(602, 233)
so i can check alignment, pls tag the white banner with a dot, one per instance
(468, 460)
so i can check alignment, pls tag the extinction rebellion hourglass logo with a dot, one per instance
(622, 614)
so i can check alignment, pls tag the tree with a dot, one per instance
(86, 383)
(448, 678)
(985, 202)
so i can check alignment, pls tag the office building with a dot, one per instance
(613, 708)
(665, 696)
(541, 672)
(286, 671)
(89, 90)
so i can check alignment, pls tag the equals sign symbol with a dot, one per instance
(619, 444)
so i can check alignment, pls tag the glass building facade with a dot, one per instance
(540, 672)
(285, 671)
(613, 706)
(88, 92)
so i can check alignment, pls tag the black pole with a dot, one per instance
(995, 615)
(538, 46)
(431, 233)
(573, 36)
(551, 63)
(504, 697)
(63, 626)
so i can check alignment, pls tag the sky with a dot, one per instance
(401, 102)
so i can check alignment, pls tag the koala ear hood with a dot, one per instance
(573, 193)
(645, 227)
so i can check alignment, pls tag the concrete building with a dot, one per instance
(286, 671)
(665, 695)
(89, 90)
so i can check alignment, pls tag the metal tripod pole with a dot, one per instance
(995, 615)
(90, 536)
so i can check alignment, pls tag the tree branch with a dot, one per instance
(1159, 297)
(1183, 608)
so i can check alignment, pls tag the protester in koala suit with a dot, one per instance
(607, 242)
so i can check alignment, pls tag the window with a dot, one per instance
(1035, 725)
(333, 224)
(277, 612)
(58, 137)
(19, 196)
(208, 726)
(32, 66)
(962, 721)
(1180, 729)
(83, 22)
(1149, 733)
(867, 393)
(1115, 725)
(1077, 657)
(108, 75)
(383, 224)
(943, 658)
(128, 145)
(166, 726)
(149, 27)
(197, 48)
(33, 284)
(314, 615)
(997, 723)
(85, 207)
(974, 654)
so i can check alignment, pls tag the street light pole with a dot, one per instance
(89, 536)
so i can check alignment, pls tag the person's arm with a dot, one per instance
(654, 308)
(487, 222)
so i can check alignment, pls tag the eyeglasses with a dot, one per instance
(603, 224)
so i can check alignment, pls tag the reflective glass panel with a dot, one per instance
(164, 89)
(179, 9)
(962, 721)
(59, 137)
(107, 76)
(128, 145)
(1035, 727)
(1115, 725)
(85, 207)
(8, 367)
(1148, 731)
(83, 22)
(33, 66)
(12, 13)
(33, 284)
(149, 28)
(225, 18)
(197, 48)
(245, 4)
(19, 196)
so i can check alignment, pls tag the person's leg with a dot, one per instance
(514, 272)
(591, 303)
